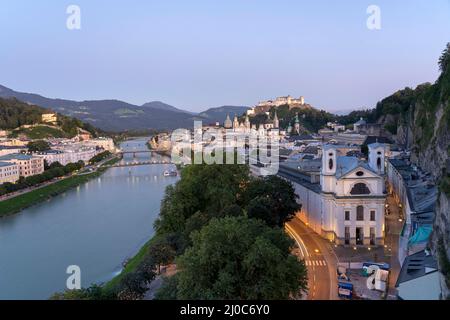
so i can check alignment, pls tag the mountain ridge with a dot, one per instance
(117, 115)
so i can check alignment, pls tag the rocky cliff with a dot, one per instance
(420, 120)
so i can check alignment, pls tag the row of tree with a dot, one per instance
(55, 170)
(99, 157)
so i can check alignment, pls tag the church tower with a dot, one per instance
(297, 125)
(276, 123)
(289, 129)
(227, 124)
(376, 157)
(235, 122)
(328, 172)
(247, 122)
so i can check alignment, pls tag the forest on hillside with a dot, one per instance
(15, 113)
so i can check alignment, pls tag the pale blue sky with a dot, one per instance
(198, 54)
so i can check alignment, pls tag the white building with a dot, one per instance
(68, 155)
(50, 118)
(104, 143)
(28, 165)
(5, 150)
(9, 172)
(347, 206)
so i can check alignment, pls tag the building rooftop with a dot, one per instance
(291, 172)
(11, 147)
(421, 191)
(416, 265)
(376, 139)
(15, 156)
(301, 137)
(346, 164)
(311, 150)
(6, 164)
(360, 121)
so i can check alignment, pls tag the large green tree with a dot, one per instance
(239, 258)
(38, 146)
(202, 188)
(271, 199)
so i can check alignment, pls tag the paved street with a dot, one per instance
(394, 225)
(319, 259)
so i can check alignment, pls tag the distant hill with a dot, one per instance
(158, 105)
(15, 114)
(219, 114)
(116, 115)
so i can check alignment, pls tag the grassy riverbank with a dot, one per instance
(131, 265)
(16, 204)
(26, 200)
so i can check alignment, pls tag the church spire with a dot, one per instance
(276, 123)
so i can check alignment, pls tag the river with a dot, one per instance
(95, 226)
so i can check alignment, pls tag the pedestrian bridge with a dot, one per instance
(137, 163)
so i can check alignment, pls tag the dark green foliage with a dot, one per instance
(132, 286)
(94, 292)
(161, 253)
(38, 146)
(204, 188)
(147, 269)
(270, 199)
(53, 172)
(99, 157)
(444, 60)
(349, 119)
(14, 113)
(169, 289)
(239, 258)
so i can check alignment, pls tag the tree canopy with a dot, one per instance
(239, 258)
(38, 146)
(271, 199)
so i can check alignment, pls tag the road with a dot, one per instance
(319, 259)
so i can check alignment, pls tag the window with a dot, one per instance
(347, 215)
(360, 188)
(347, 235)
(359, 173)
(360, 213)
(330, 164)
(372, 215)
(379, 163)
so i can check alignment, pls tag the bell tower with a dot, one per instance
(376, 157)
(328, 172)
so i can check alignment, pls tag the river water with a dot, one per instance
(95, 226)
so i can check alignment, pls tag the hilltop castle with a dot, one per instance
(266, 105)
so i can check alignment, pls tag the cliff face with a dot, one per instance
(423, 127)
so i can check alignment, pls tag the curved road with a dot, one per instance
(319, 259)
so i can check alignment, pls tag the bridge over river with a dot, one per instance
(137, 163)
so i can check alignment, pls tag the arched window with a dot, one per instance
(360, 188)
(379, 163)
(330, 164)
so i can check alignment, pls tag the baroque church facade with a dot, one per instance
(348, 205)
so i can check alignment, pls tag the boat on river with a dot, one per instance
(170, 173)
